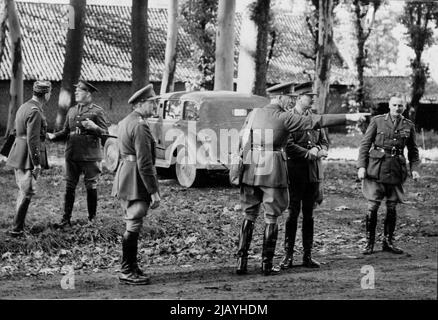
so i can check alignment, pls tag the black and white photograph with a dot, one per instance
(218, 156)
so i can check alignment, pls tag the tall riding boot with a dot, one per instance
(370, 225)
(269, 242)
(389, 228)
(91, 203)
(307, 229)
(245, 238)
(69, 200)
(130, 273)
(289, 240)
(20, 217)
(126, 253)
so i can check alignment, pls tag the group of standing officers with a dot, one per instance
(293, 181)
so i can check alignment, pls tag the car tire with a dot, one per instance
(186, 173)
(111, 154)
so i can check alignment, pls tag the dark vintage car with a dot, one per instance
(195, 132)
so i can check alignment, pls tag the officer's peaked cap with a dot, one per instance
(303, 89)
(84, 85)
(42, 86)
(142, 94)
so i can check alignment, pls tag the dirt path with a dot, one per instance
(408, 276)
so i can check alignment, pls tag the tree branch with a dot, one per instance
(307, 55)
(310, 27)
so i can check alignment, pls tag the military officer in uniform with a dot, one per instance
(382, 167)
(28, 153)
(264, 181)
(304, 151)
(84, 126)
(135, 183)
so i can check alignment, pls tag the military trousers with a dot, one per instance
(274, 201)
(90, 169)
(377, 191)
(134, 212)
(303, 194)
(26, 183)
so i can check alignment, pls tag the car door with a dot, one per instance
(172, 125)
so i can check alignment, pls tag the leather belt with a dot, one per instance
(129, 157)
(393, 151)
(74, 133)
(77, 133)
(264, 148)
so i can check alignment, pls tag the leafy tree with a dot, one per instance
(324, 52)
(382, 47)
(254, 48)
(320, 21)
(364, 12)
(199, 20)
(418, 17)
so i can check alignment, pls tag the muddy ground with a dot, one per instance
(189, 246)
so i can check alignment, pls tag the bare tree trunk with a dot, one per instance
(363, 20)
(360, 58)
(3, 21)
(74, 50)
(224, 69)
(324, 53)
(253, 48)
(170, 56)
(16, 89)
(139, 44)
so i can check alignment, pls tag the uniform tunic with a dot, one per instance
(136, 177)
(29, 149)
(83, 147)
(265, 165)
(305, 175)
(381, 153)
(298, 144)
(83, 144)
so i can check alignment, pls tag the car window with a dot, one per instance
(191, 110)
(173, 109)
(241, 112)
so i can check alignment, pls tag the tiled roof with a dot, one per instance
(107, 47)
(380, 87)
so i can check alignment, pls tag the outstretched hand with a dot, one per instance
(357, 117)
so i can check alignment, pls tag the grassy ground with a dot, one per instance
(194, 234)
